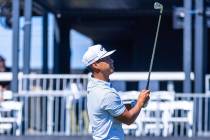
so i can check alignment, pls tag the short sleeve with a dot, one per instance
(113, 104)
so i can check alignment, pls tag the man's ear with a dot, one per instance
(95, 67)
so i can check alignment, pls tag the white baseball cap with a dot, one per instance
(94, 53)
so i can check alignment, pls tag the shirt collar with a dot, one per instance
(99, 82)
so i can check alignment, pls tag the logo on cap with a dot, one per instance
(101, 48)
(95, 53)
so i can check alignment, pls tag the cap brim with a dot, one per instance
(108, 54)
(103, 56)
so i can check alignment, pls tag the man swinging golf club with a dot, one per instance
(105, 108)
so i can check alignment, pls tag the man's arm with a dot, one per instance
(128, 106)
(130, 114)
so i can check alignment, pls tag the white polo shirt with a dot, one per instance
(103, 105)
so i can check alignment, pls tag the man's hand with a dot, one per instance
(143, 98)
(130, 114)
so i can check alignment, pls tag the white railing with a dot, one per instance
(141, 77)
(55, 105)
(159, 76)
(207, 84)
(156, 77)
(62, 114)
(172, 114)
(63, 99)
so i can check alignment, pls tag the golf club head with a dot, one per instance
(157, 5)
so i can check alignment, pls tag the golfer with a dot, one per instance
(105, 108)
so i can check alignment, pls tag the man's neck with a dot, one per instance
(101, 76)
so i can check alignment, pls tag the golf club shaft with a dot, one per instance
(154, 49)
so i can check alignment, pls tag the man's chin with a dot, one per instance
(113, 68)
(112, 71)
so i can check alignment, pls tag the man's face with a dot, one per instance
(105, 65)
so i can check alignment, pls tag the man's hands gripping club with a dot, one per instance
(130, 115)
(144, 97)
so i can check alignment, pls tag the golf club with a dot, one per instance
(157, 6)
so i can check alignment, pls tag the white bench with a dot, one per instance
(158, 117)
(8, 107)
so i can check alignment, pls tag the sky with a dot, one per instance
(79, 44)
